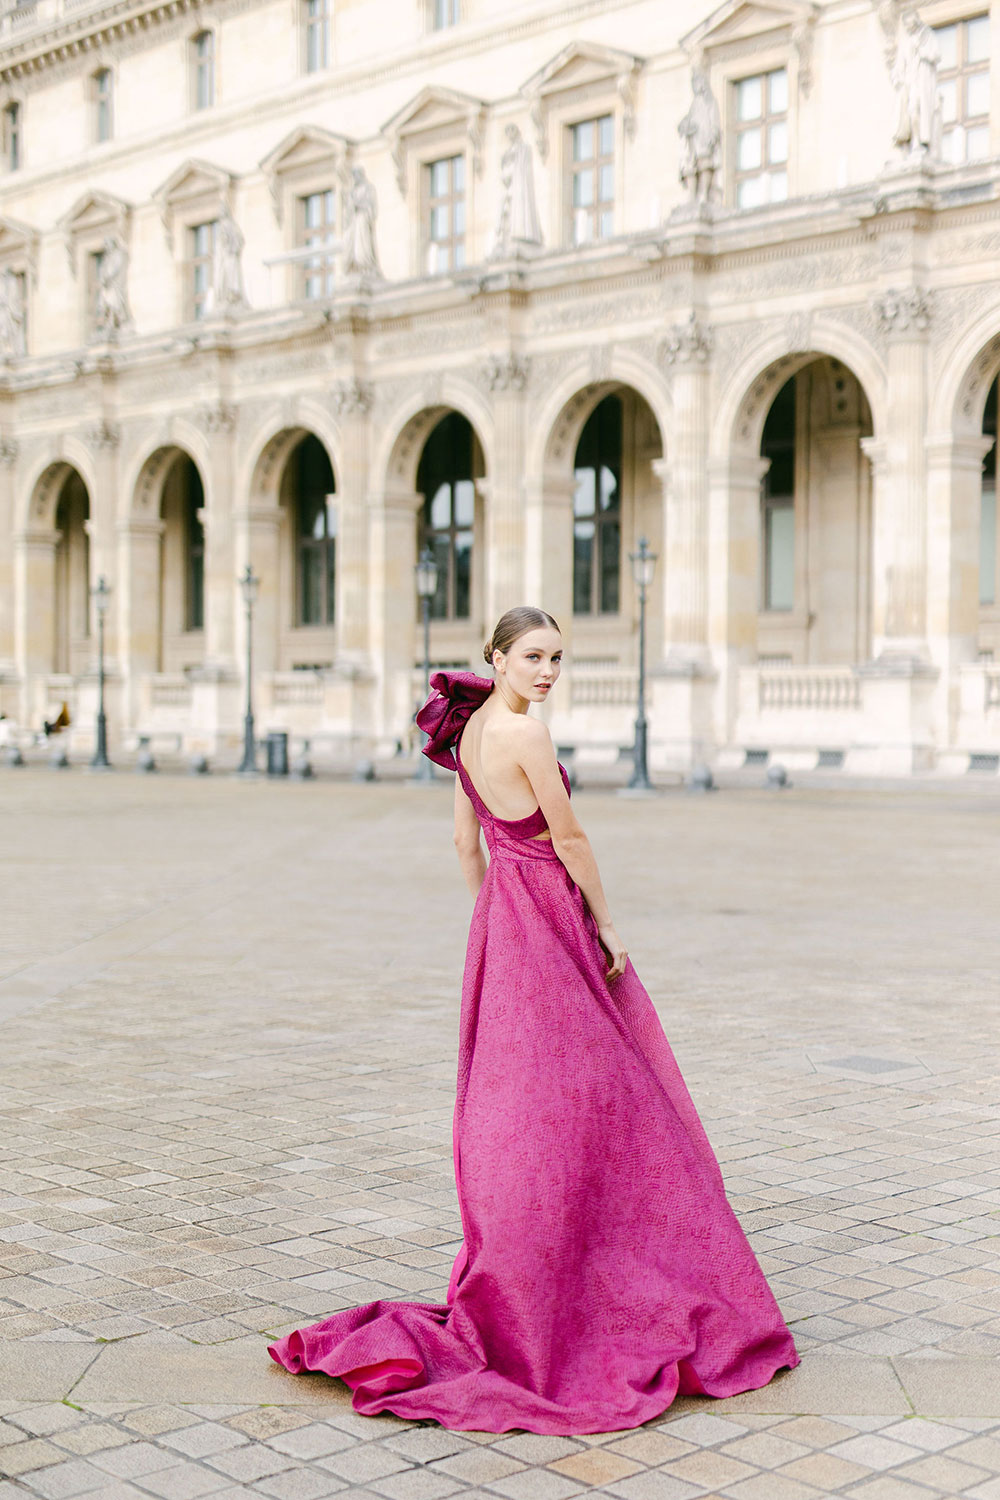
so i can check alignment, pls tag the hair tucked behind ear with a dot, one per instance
(511, 626)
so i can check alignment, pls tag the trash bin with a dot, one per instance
(277, 753)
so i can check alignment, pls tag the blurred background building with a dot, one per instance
(316, 284)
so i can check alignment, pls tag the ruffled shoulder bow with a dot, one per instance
(455, 696)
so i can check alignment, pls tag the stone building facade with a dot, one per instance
(313, 284)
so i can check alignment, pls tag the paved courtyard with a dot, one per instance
(228, 1021)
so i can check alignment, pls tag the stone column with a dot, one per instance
(138, 574)
(733, 577)
(684, 477)
(392, 614)
(506, 377)
(899, 532)
(34, 559)
(954, 499)
(353, 402)
(256, 534)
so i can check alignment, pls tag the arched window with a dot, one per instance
(316, 513)
(194, 548)
(444, 478)
(597, 515)
(778, 502)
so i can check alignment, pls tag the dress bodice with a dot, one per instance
(510, 832)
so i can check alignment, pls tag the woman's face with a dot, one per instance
(532, 664)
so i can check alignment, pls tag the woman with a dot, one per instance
(602, 1269)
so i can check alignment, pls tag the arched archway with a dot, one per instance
(164, 579)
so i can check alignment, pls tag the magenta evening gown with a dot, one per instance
(602, 1270)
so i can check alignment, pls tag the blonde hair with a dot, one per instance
(511, 626)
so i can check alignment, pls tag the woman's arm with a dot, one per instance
(468, 841)
(537, 758)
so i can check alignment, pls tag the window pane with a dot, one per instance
(459, 255)
(460, 216)
(748, 150)
(440, 221)
(777, 92)
(583, 189)
(610, 568)
(463, 573)
(977, 39)
(988, 546)
(440, 508)
(311, 612)
(607, 183)
(439, 178)
(609, 488)
(584, 497)
(977, 94)
(749, 99)
(458, 174)
(948, 95)
(583, 562)
(977, 143)
(607, 226)
(947, 37)
(606, 135)
(780, 556)
(465, 502)
(777, 142)
(583, 141)
(779, 186)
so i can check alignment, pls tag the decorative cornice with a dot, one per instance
(687, 343)
(505, 372)
(903, 312)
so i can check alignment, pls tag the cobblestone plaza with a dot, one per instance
(229, 1016)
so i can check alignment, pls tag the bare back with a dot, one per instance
(489, 755)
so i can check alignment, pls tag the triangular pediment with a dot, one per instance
(739, 19)
(194, 179)
(17, 238)
(305, 147)
(432, 108)
(579, 64)
(95, 211)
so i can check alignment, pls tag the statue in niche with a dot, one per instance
(360, 214)
(111, 310)
(914, 77)
(517, 227)
(12, 339)
(227, 267)
(701, 141)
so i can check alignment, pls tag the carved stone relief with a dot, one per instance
(687, 343)
(902, 312)
(352, 397)
(507, 372)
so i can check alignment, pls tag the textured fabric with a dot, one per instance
(602, 1269)
(455, 696)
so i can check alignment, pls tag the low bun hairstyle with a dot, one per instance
(511, 626)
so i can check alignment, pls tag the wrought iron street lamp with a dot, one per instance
(101, 596)
(427, 582)
(249, 586)
(643, 568)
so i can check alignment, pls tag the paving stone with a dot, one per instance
(536, 1484)
(654, 1485)
(299, 1484)
(22, 1458)
(478, 1466)
(62, 1481)
(364, 1462)
(416, 1484)
(599, 1466)
(314, 1441)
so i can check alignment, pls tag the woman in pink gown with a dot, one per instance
(602, 1270)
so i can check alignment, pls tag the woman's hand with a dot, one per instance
(615, 949)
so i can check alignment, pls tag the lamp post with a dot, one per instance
(101, 596)
(427, 582)
(249, 585)
(643, 567)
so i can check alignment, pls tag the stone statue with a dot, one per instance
(111, 311)
(517, 221)
(914, 76)
(12, 340)
(360, 213)
(227, 266)
(701, 137)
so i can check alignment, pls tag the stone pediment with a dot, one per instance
(194, 179)
(95, 211)
(741, 20)
(581, 65)
(18, 240)
(303, 150)
(433, 109)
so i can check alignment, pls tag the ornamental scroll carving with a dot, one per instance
(901, 312)
(352, 397)
(687, 343)
(506, 372)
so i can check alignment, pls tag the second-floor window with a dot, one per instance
(201, 256)
(104, 104)
(317, 25)
(964, 89)
(592, 180)
(316, 226)
(445, 185)
(444, 13)
(761, 165)
(12, 136)
(203, 70)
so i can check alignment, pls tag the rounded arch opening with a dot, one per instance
(70, 651)
(450, 515)
(307, 493)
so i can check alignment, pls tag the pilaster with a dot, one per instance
(392, 601)
(138, 586)
(733, 576)
(353, 401)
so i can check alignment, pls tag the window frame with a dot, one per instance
(570, 174)
(723, 75)
(960, 73)
(435, 8)
(201, 66)
(455, 242)
(763, 123)
(13, 135)
(302, 270)
(194, 261)
(102, 103)
(313, 24)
